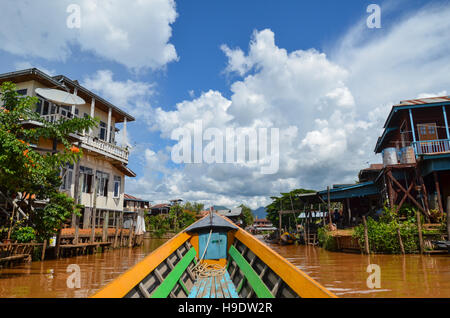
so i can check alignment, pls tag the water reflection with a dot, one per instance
(48, 279)
(342, 273)
(345, 273)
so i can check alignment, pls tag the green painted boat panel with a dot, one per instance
(174, 276)
(252, 277)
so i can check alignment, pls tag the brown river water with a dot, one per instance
(342, 273)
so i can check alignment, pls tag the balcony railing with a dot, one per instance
(109, 149)
(431, 146)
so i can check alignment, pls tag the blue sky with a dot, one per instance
(341, 79)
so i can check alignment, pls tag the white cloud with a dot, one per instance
(133, 33)
(330, 108)
(21, 65)
(133, 96)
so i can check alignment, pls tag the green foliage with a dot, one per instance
(49, 220)
(179, 217)
(326, 240)
(247, 216)
(24, 234)
(194, 207)
(27, 171)
(159, 224)
(284, 203)
(383, 236)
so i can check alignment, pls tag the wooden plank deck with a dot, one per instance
(214, 287)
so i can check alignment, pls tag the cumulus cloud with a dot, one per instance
(133, 33)
(133, 96)
(330, 108)
(21, 65)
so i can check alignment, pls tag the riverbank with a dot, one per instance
(48, 279)
(345, 274)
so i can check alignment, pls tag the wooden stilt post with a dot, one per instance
(94, 209)
(349, 211)
(329, 206)
(44, 247)
(76, 189)
(390, 191)
(77, 230)
(448, 218)
(419, 228)
(58, 244)
(116, 234)
(400, 241)
(131, 234)
(121, 229)
(93, 225)
(279, 221)
(438, 191)
(366, 236)
(105, 225)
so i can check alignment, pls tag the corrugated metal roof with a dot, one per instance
(231, 213)
(161, 205)
(211, 221)
(132, 198)
(427, 100)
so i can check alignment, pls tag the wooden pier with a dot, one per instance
(69, 243)
(14, 253)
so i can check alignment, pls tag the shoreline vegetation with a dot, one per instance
(181, 216)
(28, 176)
(390, 234)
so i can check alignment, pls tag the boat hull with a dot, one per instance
(251, 269)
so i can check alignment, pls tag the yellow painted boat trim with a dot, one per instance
(296, 279)
(122, 285)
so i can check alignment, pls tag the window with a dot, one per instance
(66, 176)
(39, 106)
(86, 176)
(102, 183)
(117, 183)
(102, 132)
(46, 108)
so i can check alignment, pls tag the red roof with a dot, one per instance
(130, 197)
(427, 100)
(161, 205)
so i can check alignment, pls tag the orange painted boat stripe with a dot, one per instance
(122, 285)
(300, 282)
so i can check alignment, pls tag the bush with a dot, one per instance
(24, 234)
(326, 240)
(383, 236)
(159, 224)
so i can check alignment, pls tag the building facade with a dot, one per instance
(97, 181)
(415, 146)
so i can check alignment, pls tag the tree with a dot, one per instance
(193, 207)
(284, 203)
(33, 174)
(247, 216)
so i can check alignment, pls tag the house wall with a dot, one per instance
(95, 162)
(430, 115)
(423, 115)
(83, 109)
(108, 203)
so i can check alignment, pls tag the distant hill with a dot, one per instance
(260, 213)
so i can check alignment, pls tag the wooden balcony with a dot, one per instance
(105, 148)
(432, 146)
